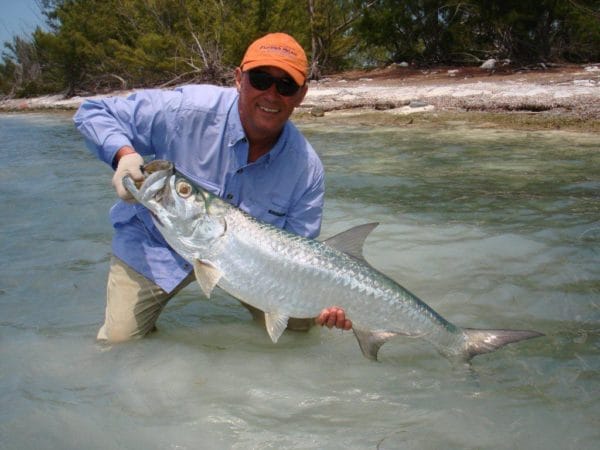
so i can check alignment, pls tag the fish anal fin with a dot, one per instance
(207, 276)
(371, 341)
(351, 241)
(276, 324)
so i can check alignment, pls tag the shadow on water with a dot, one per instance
(493, 229)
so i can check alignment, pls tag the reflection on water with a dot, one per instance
(491, 228)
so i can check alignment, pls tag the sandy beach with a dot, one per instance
(540, 97)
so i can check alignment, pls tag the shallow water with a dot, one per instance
(491, 228)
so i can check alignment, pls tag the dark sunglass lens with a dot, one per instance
(260, 80)
(287, 87)
(263, 81)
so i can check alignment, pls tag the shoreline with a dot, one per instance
(558, 98)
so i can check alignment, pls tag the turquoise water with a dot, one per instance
(491, 228)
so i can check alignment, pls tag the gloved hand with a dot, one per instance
(129, 164)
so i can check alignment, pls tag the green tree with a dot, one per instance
(579, 39)
(20, 73)
(96, 45)
(414, 30)
(331, 37)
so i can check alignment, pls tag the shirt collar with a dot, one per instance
(235, 130)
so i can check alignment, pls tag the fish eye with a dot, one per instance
(183, 188)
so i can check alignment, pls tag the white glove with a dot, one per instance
(129, 164)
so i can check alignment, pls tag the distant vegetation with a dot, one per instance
(100, 45)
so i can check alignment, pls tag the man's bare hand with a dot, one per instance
(334, 317)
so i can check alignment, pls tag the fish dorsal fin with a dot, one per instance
(371, 341)
(207, 276)
(351, 241)
(276, 324)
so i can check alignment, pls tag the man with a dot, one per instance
(237, 143)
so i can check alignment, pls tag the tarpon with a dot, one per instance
(286, 275)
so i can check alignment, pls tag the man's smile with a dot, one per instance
(269, 110)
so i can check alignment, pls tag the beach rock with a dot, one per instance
(317, 111)
(418, 104)
(383, 106)
(490, 64)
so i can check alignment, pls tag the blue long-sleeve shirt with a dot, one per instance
(198, 128)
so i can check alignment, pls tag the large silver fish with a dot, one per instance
(286, 276)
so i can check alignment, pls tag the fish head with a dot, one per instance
(189, 217)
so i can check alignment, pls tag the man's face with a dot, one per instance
(264, 113)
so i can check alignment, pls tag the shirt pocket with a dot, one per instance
(273, 210)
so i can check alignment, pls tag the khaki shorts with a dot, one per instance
(133, 304)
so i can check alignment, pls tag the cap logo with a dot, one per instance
(278, 49)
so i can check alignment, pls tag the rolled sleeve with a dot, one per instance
(137, 121)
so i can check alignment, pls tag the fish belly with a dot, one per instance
(299, 279)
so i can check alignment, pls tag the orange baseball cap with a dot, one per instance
(277, 50)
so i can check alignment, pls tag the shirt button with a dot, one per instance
(229, 196)
(240, 170)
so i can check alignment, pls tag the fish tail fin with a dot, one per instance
(478, 341)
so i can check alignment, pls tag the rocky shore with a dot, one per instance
(539, 97)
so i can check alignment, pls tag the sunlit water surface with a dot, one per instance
(491, 228)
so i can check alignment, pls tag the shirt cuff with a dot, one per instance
(111, 146)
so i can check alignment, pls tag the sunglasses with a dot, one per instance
(262, 81)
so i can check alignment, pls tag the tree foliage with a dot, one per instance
(100, 45)
(455, 31)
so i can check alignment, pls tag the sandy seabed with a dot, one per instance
(565, 97)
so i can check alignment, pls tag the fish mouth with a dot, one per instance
(157, 165)
(153, 172)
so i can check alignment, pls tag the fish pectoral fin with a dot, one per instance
(371, 341)
(207, 276)
(276, 324)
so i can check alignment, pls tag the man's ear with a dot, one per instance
(238, 78)
(301, 94)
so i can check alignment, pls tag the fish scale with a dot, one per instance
(286, 275)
